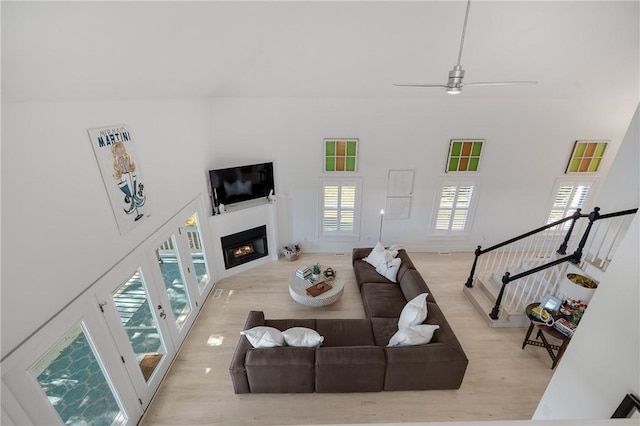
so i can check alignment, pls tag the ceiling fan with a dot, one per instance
(456, 75)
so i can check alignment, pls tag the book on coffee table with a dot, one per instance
(319, 288)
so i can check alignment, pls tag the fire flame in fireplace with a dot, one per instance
(243, 250)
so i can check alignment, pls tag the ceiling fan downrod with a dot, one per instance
(464, 31)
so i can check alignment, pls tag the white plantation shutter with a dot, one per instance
(454, 207)
(340, 200)
(347, 208)
(568, 197)
(330, 210)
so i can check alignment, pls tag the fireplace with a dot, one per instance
(244, 246)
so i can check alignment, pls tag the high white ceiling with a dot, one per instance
(57, 51)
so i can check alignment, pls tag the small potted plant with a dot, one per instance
(315, 271)
(291, 252)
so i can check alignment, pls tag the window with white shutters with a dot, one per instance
(340, 201)
(568, 196)
(453, 214)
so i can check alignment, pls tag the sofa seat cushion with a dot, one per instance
(382, 300)
(350, 369)
(366, 273)
(345, 332)
(424, 367)
(281, 370)
(383, 329)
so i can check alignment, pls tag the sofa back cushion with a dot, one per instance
(382, 300)
(412, 284)
(366, 273)
(406, 265)
(284, 324)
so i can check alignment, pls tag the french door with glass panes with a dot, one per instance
(150, 305)
(179, 293)
(101, 359)
(130, 299)
(68, 373)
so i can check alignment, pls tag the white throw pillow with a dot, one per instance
(302, 337)
(414, 312)
(379, 254)
(264, 337)
(413, 335)
(389, 269)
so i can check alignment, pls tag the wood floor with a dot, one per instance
(502, 382)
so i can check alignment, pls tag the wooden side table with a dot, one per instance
(543, 342)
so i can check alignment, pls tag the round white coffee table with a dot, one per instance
(298, 291)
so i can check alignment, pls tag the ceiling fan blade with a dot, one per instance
(420, 85)
(501, 83)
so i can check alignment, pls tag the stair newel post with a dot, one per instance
(593, 216)
(469, 282)
(495, 312)
(563, 246)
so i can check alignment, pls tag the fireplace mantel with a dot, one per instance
(238, 220)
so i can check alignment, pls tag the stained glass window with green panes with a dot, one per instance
(464, 155)
(586, 156)
(340, 155)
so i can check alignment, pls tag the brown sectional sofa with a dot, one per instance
(354, 356)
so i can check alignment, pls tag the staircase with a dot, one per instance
(508, 276)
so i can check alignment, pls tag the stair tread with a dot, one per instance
(484, 305)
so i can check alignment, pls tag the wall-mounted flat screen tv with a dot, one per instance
(236, 184)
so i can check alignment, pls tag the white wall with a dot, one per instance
(600, 365)
(58, 231)
(527, 148)
(602, 362)
(625, 172)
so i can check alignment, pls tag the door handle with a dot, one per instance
(162, 314)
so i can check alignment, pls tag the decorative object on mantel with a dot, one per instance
(291, 252)
(114, 150)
